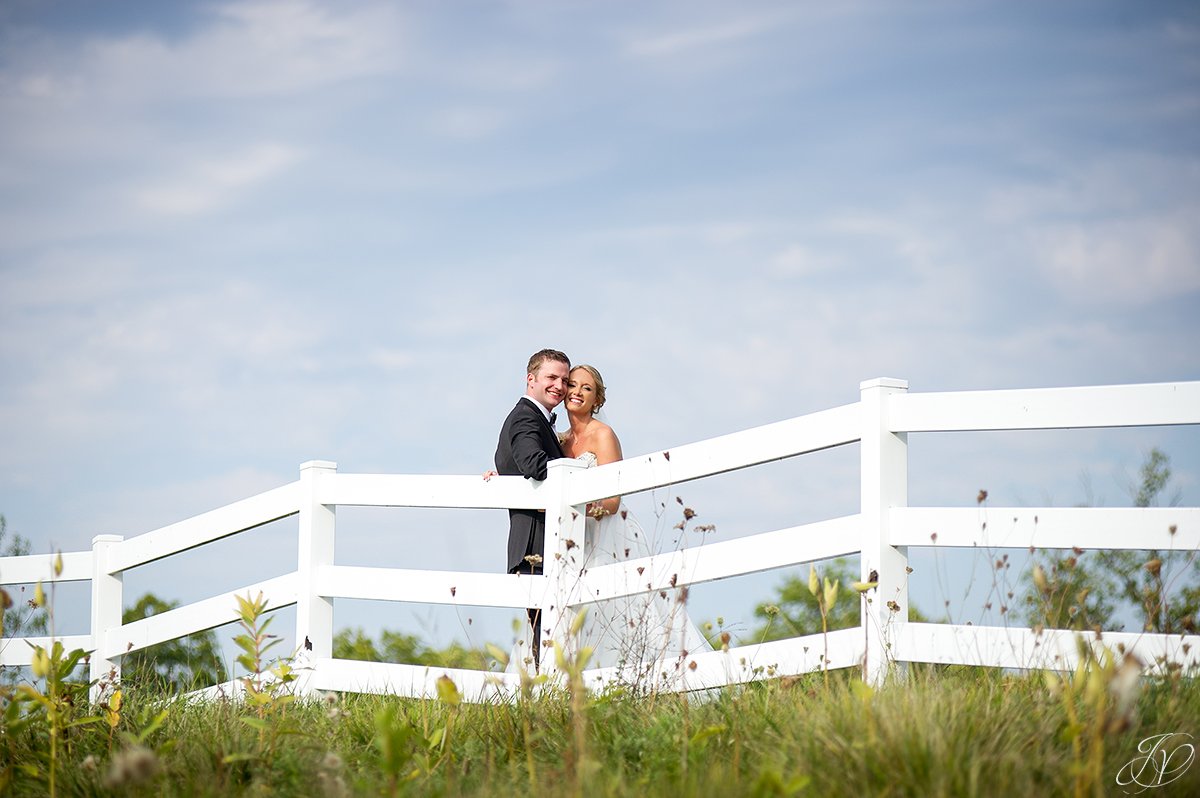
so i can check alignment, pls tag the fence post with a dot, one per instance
(884, 484)
(314, 612)
(107, 596)
(564, 532)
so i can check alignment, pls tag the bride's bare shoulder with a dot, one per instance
(608, 447)
(601, 428)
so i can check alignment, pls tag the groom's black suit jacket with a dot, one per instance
(527, 443)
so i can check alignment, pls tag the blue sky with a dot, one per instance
(238, 236)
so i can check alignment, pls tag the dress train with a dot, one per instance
(646, 636)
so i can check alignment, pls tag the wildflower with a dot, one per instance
(329, 778)
(132, 766)
(1039, 579)
(334, 711)
(41, 663)
(1125, 687)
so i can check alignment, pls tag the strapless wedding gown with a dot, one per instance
(645, 636)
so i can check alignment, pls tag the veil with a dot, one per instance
(644, 631)
(645, 636)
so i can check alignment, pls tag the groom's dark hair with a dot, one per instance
(541, 357)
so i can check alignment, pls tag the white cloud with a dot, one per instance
(391, 359)
(509, 72)
(215, 182)
(798, 260)
(716, 231)
(156, 341)
(41, 86)
(254, 48)
(1183, 33)
(468, 123)
(71, 102)
(65, 278)
(1125, 230)
(466, 179)
(685, 40)
(913, 238)
(1126, 260)
(1115, 186)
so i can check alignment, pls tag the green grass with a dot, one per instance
(952, 732)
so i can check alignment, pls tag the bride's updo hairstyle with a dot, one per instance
(596, 378)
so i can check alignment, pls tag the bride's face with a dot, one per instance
(581, 392)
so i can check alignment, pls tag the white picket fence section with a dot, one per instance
(882, 532)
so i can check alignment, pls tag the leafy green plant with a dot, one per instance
(826, 594)
(573, 664)
(528, 682)
(58, 701)
(795, 610)
(962, 731)
(394, 740)
(136, 761)
(266, 686)
(1097, 699)
(18, 618)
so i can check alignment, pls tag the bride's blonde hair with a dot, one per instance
(596, 378)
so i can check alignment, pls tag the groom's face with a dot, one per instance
(548, 385)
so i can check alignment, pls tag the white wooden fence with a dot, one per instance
(882, 531)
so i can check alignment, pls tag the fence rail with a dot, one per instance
(880, 532)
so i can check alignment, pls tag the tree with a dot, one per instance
(180, 665)
(404, 648)
(795, 611)
(1069, 592)
(1162, 586)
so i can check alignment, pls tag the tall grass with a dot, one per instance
(941, 731)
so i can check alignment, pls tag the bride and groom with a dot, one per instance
(629, 633)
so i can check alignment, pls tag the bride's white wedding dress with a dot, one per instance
(645, 636)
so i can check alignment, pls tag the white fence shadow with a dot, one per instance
(881, 532)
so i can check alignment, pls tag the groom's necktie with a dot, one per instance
(553, 416)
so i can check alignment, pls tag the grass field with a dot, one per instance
(935, 732)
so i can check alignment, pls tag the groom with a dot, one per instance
(527, 443)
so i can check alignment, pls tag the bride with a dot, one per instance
(631, 633)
